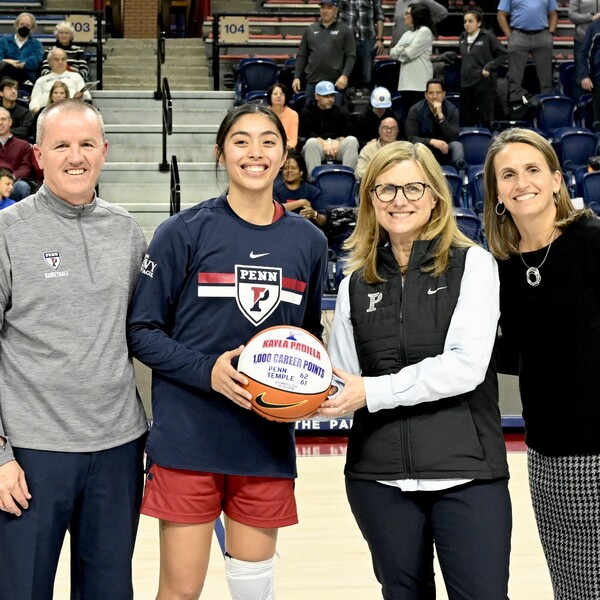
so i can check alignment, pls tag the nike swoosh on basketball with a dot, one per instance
(258, 254)
(260, 400)
(430, 291)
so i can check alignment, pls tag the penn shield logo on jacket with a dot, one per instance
(257, 290)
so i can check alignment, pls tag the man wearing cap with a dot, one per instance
(435, 122)
(22, 119)
(529, 27)
(327, 129)
(379, 108)
(327, 52)
(388, 133)
(365, 18)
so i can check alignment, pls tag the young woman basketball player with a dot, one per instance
(214, 275)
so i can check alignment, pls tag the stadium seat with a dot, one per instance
(454, 98)
(574, 146)
(584, 114)
(386, 73)
(566, 76)
(553, 111)
(455, 181)
(254, 74)
(475, 188)
(469, 223)
(452, 78)
(591, 190)
(337, 184)
(475, 141)
(256, 96)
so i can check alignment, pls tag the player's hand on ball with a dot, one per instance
(351, 398)
(227, 381)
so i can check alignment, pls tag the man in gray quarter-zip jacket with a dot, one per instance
(72, 427)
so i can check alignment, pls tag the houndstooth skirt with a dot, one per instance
(565, 491)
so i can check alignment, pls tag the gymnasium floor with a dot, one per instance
(325, 556)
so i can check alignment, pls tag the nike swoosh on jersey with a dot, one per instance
(260, 400)
(430, 291)
(258, 254)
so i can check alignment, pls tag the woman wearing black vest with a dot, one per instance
(549, 263)
(412, 340)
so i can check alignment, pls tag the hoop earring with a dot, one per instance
(555, 196)
(500, 214)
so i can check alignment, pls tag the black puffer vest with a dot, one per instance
(396, 325)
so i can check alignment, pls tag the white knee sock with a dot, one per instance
(250, 580)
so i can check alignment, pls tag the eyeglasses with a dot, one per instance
(388, 129)
(387, 192)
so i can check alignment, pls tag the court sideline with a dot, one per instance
(325, 554)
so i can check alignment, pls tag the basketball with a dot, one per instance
(289, 373)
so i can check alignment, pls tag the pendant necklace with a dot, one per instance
(533, 273)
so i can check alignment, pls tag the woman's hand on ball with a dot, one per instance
(351, 398)
(225, 380)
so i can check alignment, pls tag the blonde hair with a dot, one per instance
(368, 235)
(502, 234)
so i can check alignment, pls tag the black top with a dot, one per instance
(551, 336)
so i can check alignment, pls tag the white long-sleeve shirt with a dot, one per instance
(460, 368)
(43, 85)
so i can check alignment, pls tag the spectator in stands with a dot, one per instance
(76, 61)
(59, 91)
(548, 256)
(435, 122)
(327, 128)
(295, 193)
(481, 54)
(41, 89)
(581, 14)
(327, 52)
(368, 121)
(413, 50)
(589, 67)
(15, 155)
(7, 180)
(21, 54)
(22, 119)
(438, 13)
(277, 99)
(365, 18)
(529, 27)
(388, 133)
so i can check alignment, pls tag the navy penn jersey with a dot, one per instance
(209, 282)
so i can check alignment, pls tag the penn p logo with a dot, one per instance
(258, 291)
(52, 259)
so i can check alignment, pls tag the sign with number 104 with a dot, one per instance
(84, 27)
(234, 30)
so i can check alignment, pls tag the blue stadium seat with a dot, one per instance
(455, 181)
(574, 146)
(386, 73)
(566, 77)
(475, 188)
(469, 223)
(452, 77)
(337, 184)
(584, 115)
(454, 98)
(591, 190)
(256, 96)
(553, 111)
(254, 74)
(475, 141)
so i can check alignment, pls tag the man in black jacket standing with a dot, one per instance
(327, 128)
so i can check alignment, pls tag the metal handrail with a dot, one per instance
(175, 195)
(167, 122)
(161, 53)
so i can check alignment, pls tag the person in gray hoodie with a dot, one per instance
(72, 426)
